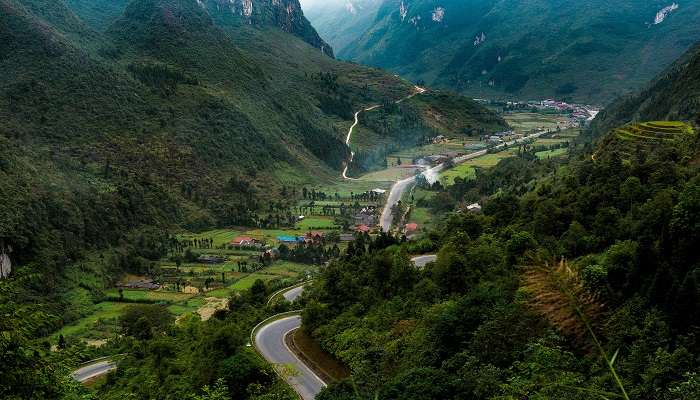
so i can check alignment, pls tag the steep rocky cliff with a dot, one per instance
(284, 14)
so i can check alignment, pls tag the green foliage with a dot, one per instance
(629, 295)
(145, 321)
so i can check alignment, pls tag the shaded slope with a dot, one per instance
(673, 95)
(589, 51)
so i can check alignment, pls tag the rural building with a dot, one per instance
(314, 237)
(410, 229)
(243, 241)
(366, 216)
(362, 228)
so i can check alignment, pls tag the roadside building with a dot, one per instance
(410, 229)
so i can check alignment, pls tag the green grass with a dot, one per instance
(464, 171)
(543, 155)
(131, 294)
(468, 168)
(287, 269)
(653, 132)
(390, 174)
(247, 282)
(525, 122)
(316, 223)
(189, 306)
(105, 311)
(220, 236)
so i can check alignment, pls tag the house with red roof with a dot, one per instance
(243, 241)
(410, 229)
(314, 237)
(362, 228)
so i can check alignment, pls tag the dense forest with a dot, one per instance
(120, 126)
(578, 281)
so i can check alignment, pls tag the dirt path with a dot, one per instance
(419, 90)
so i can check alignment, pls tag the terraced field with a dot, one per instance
(654, 131)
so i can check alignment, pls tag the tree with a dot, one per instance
(61, 342)
(258, 291)
(218, 392)
(143, 321)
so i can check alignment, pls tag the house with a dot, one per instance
(475, 208)
(410, 229)
(243, 241)
(314, 237)
(362, 228)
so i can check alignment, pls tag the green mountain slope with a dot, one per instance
(673, 95)
(590, 51)
(168, 118)
(284, 14)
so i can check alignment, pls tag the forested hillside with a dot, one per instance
(586, 51)
(120, 125)
(673, 95)
(579, 280)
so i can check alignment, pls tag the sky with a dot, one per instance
(311, 3)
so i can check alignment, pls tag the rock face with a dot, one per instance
(284, 14)
(5, 263)
(586, 51)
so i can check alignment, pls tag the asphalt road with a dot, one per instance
(422, 261)
(269, 340)
(293, 294)
(94, 370)
(400, 187)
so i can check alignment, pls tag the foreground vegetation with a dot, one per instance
(578, 281)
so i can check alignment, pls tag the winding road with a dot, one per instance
(94, 370)
(401, 186)
(293, 293)
(270, 342)
(419, 90)
(422, 261)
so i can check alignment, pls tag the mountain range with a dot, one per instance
(167, 112)
(587, 51)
